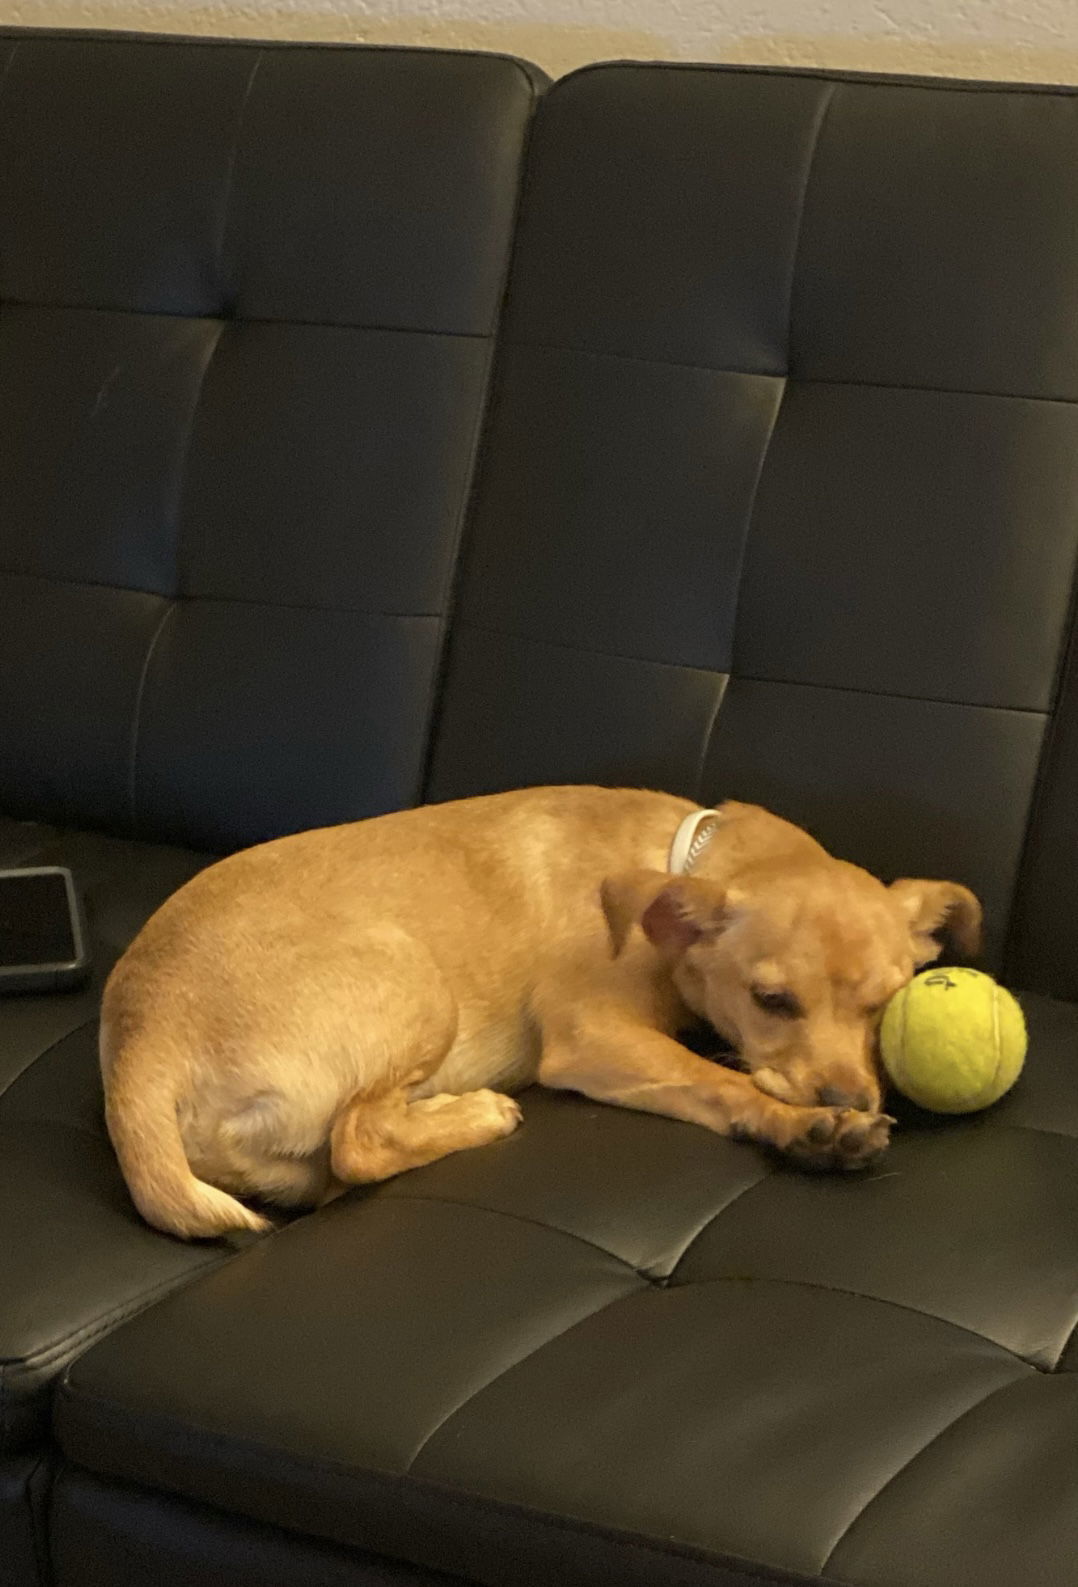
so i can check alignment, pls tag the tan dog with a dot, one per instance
(337, 1006)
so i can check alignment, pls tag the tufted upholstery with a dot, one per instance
(616, 1349)
(776, 500)
(783, 438)
(247, 297)
(247, 302)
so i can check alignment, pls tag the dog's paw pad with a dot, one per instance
(847, 1141)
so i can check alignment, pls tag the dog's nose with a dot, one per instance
(834, 1097)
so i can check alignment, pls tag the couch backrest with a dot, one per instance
(780, 499)
(246, 304)
(1044, 940)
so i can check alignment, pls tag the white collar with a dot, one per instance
(691, 839)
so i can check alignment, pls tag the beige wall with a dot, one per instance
(1031, 39)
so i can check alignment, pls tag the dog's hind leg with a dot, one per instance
(374, 1139)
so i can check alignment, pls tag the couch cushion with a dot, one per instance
(24, 1486)
(618, 1347)
(249, 297)
(76, 1257)
(783, 438)
(130, 1537)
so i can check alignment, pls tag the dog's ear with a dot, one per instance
(674, 912)
(935, 907)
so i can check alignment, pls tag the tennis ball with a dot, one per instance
(953, 1040)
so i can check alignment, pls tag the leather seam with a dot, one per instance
(885, 694)
(722, 684)
(517, 1217)
(822, 112)
(40, 1518)
(588, 650)
(672, 1280)
(26, 1366)
(172, 605)
(528, 1355)
(737, 677)
(743, 549)
(360, 326)
(735, 371)
(468, 517)
(193, 600)
(854, 383)
(9, 63)
(230, 176)
(474, 1503)
(905, 1466)
(1036, 1129)
(935, 391)
(436, 683)
(30, 1062)
(873, 1300)
(1039, 806)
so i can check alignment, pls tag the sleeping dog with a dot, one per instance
(335, 1007)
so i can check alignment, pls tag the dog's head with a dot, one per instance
(793, 961)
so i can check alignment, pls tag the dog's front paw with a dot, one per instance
(840, 1139)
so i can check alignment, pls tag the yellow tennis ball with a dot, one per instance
(953, 1040)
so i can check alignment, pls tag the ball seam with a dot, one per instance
(900, 1078)
(991, 1088)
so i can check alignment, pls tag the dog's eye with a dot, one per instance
(782, 1004)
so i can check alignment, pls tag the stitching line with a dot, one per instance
(1035, 1129)
(709, 733)
(704, 1227)
(723, 683)
(41, 1360)
(223, 600)
(584, 650)
(9, 63)
(780, 683)
(361, 327)
(1016, 947)
(822, 115)
(488, 406)
(528, 344)
(454, 575)
(517, 1217)
(474, 1504)
(874, 1300)
(906, 1466)
(533, 345)
(14, 1079)
(855, 383)
(136, 715)
(230, 174)
(502, 1372)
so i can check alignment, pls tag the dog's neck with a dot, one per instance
(691, 839)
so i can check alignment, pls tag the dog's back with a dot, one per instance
(283, 981)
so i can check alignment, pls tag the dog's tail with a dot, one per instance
(141, 1097)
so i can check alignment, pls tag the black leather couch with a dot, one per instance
(772, 491)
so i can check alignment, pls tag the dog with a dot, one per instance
(335, 1007)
